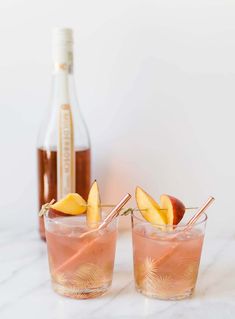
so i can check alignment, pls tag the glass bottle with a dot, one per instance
(63, 148)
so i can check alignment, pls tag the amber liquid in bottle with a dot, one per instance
(47, 177)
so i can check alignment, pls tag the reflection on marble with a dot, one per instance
(25, 290)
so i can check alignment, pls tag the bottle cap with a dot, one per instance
(62, 36)
(62, 44)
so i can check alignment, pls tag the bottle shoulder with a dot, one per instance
(49, 130)
(63, 93)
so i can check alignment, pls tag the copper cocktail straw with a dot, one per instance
(200, 211)
(187, 227)
(113, 214)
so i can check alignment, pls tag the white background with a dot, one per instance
(156, 84)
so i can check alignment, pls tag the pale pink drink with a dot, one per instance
(166, 260)
(80, 267)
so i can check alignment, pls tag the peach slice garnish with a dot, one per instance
(93, 202)
(72, 204)
(173, 207)
(149, 208)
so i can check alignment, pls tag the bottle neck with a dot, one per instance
(63, 74)
(63, 59)
(63, 68)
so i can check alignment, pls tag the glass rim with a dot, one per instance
(61, 220)
(175, 227)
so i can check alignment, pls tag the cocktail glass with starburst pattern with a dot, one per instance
(166, 258)
(80, 267)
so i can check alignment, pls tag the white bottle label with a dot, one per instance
(65, 153)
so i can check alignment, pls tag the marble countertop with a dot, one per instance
(25, 290)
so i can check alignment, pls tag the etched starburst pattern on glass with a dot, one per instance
(153, 280)
(86, 282)
(150, 280)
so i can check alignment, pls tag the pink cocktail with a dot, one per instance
(81, 267)
(166, 259)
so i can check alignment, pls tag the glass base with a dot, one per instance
(164, 296)
(76, 293)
